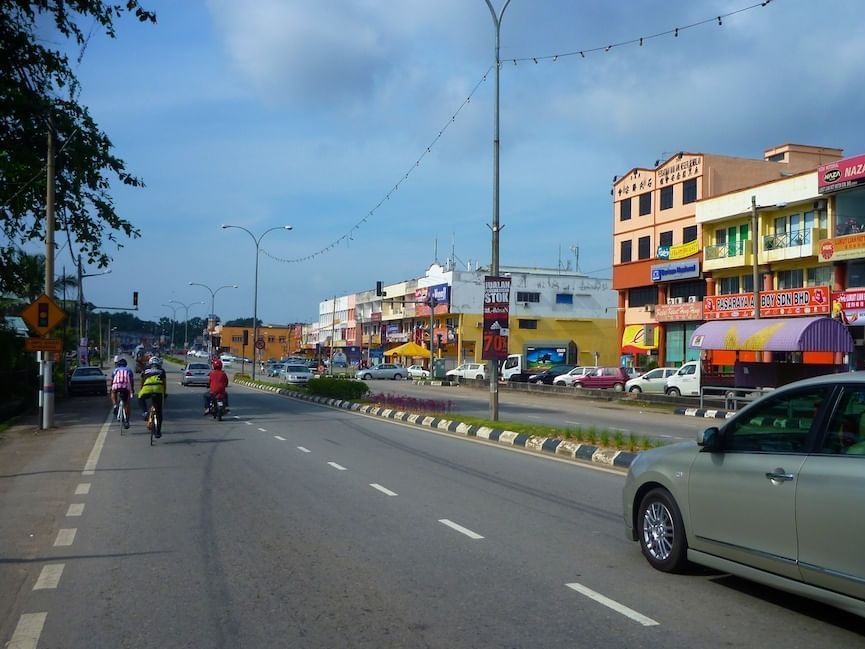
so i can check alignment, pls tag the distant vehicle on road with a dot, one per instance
(196, 374)
(382, 371)
(417, 372)
(467, 371)
(548, 375)
(87, 380)
(295, 373)
(576, 373)
(653, 382)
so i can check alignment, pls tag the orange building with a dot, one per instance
(280, 341)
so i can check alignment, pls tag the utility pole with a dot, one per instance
(332, 333)
(48, 362)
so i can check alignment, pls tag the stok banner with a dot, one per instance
(787, 302)
(497, 300)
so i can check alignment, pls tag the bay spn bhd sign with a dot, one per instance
(497, 301)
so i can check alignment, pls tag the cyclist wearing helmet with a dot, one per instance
(153, 386)
(217, 386)
(122, 385)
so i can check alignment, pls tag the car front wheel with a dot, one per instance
(577, 384)
(661, 531)
(397, 377)
(618, 387)
(635, 388)
(367, 377)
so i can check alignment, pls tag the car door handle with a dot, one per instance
(780, 475)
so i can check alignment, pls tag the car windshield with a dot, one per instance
(88, 371)
(198, 366)
(296, 368)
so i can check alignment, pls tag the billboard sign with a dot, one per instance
(497, 300)
(812, 300)
(841, 174)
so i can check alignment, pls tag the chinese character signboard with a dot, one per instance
(787, 302)
(497, 300)
(680, 251)
(851, 246)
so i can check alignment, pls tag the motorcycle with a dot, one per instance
(217, 407)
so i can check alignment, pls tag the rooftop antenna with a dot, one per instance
(576, 250)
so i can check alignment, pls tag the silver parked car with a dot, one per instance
(382, 371)
(293, 373)
(196, 374)
(653, 382)
(773, 495)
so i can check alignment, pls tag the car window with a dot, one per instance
(654, 374)
(687, 369)
(781, 424)
(88, 371)
(198, 366)
(295, 368)
(845, 434)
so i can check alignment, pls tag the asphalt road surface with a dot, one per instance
(294, 525)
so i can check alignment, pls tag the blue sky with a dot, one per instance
(290, 112)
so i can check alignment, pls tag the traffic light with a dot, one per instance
(245, 337)
(42, 317)
(134, 298)
(378, 290)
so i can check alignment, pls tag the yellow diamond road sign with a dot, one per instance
(43, 314)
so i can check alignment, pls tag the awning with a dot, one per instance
(812, 334)
(633, 339)
(410, 349)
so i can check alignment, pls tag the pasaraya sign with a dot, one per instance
(842, 174)
(497, 300)
(812, 300)
(679, 270)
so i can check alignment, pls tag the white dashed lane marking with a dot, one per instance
(460, 529)
(26, 635)
(65, 537)
(263, 430)
(305, 450)
(82, 489)
(337, 466)
(248, 423)
(75, 509)
(614, 605)
(281, 439)
(49, 577)
(386, 492)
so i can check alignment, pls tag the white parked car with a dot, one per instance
(467, 371)
(417, 372)
(571, 377)
(653, 381)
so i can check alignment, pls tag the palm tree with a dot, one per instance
(29, 272)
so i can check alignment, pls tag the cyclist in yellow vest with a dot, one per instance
(153, 386)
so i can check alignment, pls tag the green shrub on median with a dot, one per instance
(337, 388)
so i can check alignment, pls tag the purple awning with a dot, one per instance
(814, 334)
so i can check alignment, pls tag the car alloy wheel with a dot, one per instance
(367, 377)
(661, 531)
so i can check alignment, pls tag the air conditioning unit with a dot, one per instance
(680, 300)
(692, 298)
(671, 300)
(650, 308)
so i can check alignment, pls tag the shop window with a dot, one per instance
(625, 210)
(791, 278)
(689, 234)
(645, 203)
(747, 284)
(855, 273)
(689, 191)
(237, 339)
(644, 248)
(727, 285)
(850, 212)
(666, 197)
(820, 276)
(282, 339)
(666, 238)
(684, 290)
(625, 252)
(564, 298)
(642, 296)
(527, 324)
(271, 339)
(720, 237)
(528, 296)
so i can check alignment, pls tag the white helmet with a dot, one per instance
(155, 361)
(117, 359)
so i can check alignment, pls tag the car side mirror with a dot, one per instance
(710, 439)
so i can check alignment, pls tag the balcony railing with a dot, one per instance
(723, 250)
(787, 239)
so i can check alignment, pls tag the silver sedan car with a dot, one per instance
(382, 371)
(297, 374)
(773, 495)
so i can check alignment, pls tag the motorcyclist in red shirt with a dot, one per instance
(218, 386)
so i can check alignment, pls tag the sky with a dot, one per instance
(348, 120)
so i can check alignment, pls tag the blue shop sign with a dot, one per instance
(675, 271)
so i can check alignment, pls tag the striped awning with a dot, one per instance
(812, 334)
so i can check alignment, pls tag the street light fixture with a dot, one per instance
(212, 301)
(255, 289)
(186, 319)
(173, 318)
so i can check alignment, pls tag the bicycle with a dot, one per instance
(122, 417)
(152, 422)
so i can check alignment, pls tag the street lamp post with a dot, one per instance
(173, 318)
(186, 320)
(212, 307)
(494, 270)
(255, 289)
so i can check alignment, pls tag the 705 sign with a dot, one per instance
(495, 346)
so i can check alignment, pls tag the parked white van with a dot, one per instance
(685, 382)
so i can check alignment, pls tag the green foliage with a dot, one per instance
(39, 93)
(338, 388)
(604, 438)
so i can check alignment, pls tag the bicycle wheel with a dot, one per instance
(121, 415)
(151, 422)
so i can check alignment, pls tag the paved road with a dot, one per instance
(299, 526)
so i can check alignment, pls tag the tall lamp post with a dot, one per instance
(494, 270)
(186, 319)
(173, 318)
(212, 307)
(255, 289)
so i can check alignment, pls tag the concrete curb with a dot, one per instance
(705, 412)
(544, 445)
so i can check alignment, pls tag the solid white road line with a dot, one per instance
(237, 416)
(82, 489)
(262, 430)
(93, 460)
(609, 603)
(460, 529)
(49, 577)
(386, 492)
(337, 466)
(27, 632)
(75, 509)
(65, 537)
(281, 439)
(305, 450)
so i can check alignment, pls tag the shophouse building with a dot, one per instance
(279, 341)
(658, 262)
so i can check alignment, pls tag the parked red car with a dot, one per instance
(604, 377)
